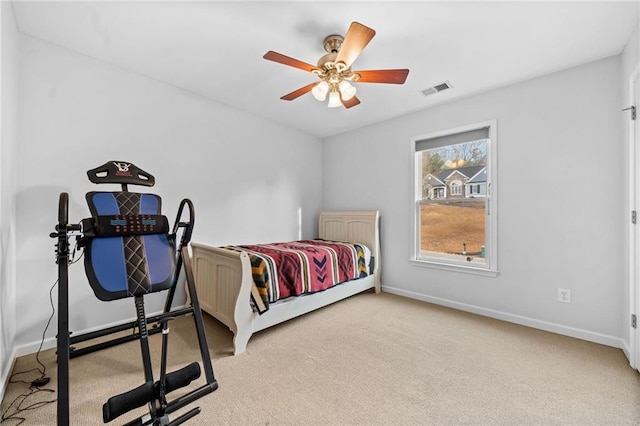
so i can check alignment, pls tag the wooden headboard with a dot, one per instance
(354, 227)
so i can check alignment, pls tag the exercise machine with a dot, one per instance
(129, 252)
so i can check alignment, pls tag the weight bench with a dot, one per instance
(129, 252)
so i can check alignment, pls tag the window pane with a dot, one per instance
(453, 206)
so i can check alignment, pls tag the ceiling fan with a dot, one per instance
(334, 69)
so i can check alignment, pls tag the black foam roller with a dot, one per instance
(180, 378)
(120, 404)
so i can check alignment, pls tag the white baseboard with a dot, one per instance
(4, 378)
(626, 349)
(32, 347)
(51, 342)
(564, 330)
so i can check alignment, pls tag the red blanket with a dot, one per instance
(282, 270)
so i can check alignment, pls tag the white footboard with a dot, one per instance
(224, 281)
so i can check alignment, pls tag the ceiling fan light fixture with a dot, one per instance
(320, 91)
(334, 69)
(347, 91)
(334, 99)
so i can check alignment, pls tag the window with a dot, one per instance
(454, 206)
(456, 188)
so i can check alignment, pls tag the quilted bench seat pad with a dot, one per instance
(127, 266)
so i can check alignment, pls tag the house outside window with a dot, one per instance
(454, 208)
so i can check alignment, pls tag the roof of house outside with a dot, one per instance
(480, 177)
(468, 172)
(437, 182)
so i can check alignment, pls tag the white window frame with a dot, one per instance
(490, 268)
(456, 187)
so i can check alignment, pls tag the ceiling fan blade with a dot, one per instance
(297, 93)
(358, 36)
(382, 76)
(351, 102)
(286, 60)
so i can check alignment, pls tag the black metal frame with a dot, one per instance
(159, 408)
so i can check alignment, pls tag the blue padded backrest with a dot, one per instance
(132, 265)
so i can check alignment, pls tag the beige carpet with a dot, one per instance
(373, 359)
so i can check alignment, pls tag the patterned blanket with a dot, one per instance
(282, 270)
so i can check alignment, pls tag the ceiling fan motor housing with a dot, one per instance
(330, 71)
(327, 62)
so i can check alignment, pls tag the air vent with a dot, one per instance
(437, 88)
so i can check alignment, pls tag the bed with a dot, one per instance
(224, 279)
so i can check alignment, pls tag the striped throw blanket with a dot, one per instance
(282, 270)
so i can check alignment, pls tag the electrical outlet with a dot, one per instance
(564, 295)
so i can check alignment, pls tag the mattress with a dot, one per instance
(295, 268)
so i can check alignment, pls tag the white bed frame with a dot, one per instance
(223, 278)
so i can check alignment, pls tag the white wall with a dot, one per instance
(560, 168)
(8, 179)
(247, 177)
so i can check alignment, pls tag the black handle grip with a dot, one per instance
(63, 210)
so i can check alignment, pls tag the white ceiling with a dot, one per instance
(215, 49)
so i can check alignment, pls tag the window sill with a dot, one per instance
(474, 270)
